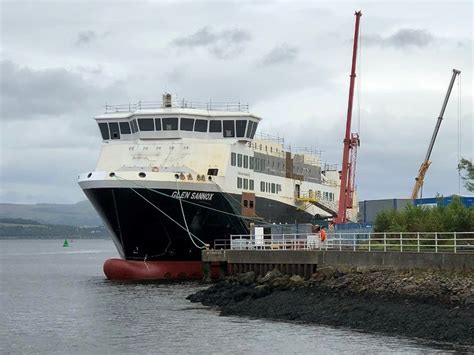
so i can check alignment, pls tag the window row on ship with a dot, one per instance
(274, 188)
(228, 128)
(274, 166)
(249, 184)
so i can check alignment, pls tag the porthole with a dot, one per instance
(112, 174)
(89, 175)
(142, 174)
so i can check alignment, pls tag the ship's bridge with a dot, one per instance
(175, 120)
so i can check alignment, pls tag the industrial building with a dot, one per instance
(369, 209)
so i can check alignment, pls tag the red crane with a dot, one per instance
(351, 142)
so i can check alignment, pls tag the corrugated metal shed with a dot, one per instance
(369, 209)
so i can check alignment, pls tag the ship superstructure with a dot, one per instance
(173, 177)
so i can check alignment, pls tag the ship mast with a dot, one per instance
(351, 142)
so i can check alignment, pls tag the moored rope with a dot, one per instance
(186, 201)
(171, 218)
(186, 223)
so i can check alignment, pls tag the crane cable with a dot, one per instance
(459, 133)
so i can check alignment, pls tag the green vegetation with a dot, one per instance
(27, 228)
(454, 217)
(467, 167)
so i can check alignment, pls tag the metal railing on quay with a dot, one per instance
(419, 242)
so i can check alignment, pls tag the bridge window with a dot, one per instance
(215, 126)
(229, 129)
(240, 127)
(262, 186)
(252, 163)
(134, 126)
(246, 184)
(114, 130)
(187, 124)
(239, 160)
(200, 126)
(170, 124)
(233, 159)
(158, 124)
(239, 182)
(254, 129)
(125, 128)
(251, 185)
(249, 130)
(146, 124)
(273, 188)
(246, 161)
(104, 130)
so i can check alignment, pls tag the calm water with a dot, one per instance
(56, 300)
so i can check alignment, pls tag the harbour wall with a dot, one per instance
(306, 262)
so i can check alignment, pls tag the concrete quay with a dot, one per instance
(306, 262)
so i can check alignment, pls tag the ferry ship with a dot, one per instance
(175, 176)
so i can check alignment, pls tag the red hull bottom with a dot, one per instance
(119, 269)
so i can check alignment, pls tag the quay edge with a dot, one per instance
(305, 262)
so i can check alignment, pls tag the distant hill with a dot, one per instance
(78, 214)
(27, 228)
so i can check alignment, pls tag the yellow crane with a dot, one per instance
(426, 163)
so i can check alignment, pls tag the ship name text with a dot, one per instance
(188, 195)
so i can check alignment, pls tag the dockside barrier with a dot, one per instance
(297, 257)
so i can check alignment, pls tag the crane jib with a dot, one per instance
(426, 163)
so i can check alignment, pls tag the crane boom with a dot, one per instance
(351, 141)
(426, 163)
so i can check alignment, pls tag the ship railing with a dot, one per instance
(329, 183)
(269, 137)
(414, 242)
(209, 106)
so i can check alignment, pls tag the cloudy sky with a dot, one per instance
(61, 61)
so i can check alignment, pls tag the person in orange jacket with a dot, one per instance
(322, 234)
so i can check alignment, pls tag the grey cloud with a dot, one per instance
(27, 93)
(222, 44)
(283, 53)
(249, 83)
(96, 70)
(86, 37)
(403, 38)
(202, 37)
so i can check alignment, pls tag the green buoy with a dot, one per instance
(66, 244)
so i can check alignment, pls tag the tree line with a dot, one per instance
(455, 217)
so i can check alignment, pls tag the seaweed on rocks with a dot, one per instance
(421, 304)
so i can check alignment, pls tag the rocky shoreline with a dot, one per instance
(430, 305)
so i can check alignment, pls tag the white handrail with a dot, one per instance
(435, 242)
